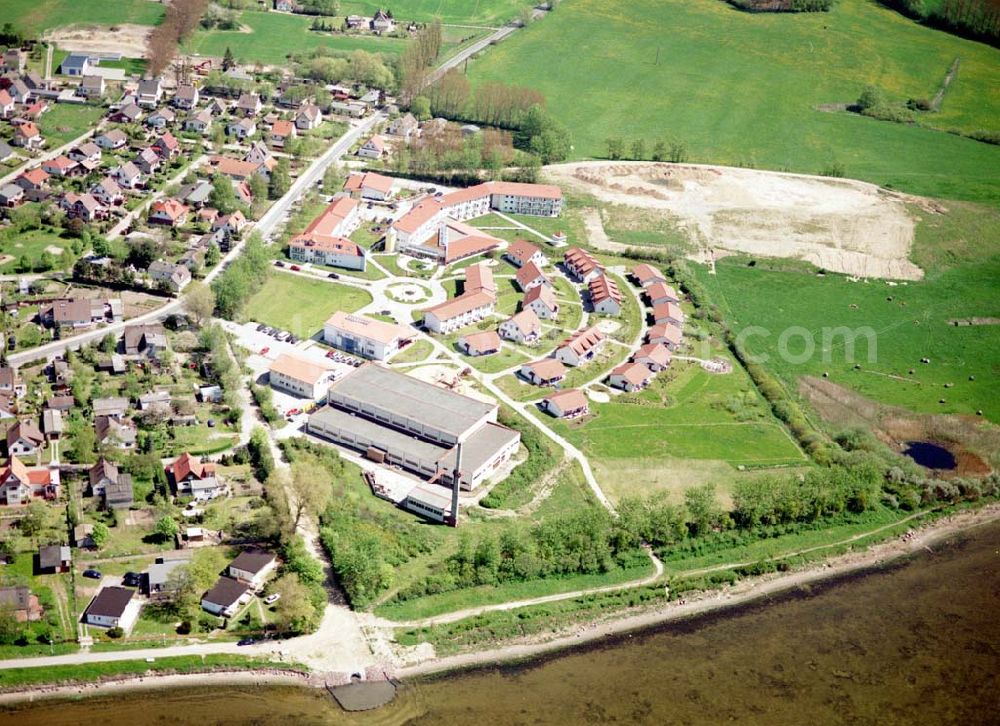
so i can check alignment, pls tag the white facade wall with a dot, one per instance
(433, 323)
(359, 345)
(608, 306)
(297, 387)
(470, 209)
(333, 259)
(537, 206)
(542, 310)
(254, 579)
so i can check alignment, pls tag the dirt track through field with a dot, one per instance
(839, 225)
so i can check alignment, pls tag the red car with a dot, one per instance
(294, 412)
(295, 268)
(263, 351)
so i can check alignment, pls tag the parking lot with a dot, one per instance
(264, 349)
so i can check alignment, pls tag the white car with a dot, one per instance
(273, 598)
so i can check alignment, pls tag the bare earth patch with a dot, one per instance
(129, 40)
(840, 225)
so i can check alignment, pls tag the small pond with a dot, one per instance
(930, 455)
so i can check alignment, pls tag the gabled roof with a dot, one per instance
(569, 399)
(186, 464)
(460, 305)
(252, 561)
(581, 260)
(111, 602)
(528, 273)
(368, 180)
(604, 288)
(644, 274)
(655, 352)
(170, 207)
(300, 369)
(526, 322)
(543, 294)
(226, 592)
(479, 278)
(103, 469)
(486, 340)
(635, 373)
(522, 250)
(669, 332)
(547, 368)
(27, 431)
(583, 341)
(282, 128)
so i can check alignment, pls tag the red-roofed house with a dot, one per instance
(190, 476)
(167, 146)
(630, 377)
(19, 484)
(524, 327)
(33, 180)
(654, 356)
(580, 348)
(61, 166)
(605, 297)
(544, 372)
(530, 276)
(6, 104)
(24, 439)
(660, 292)
(521, 252)
(570, 403)
(668, 314)
(645, 275)
(581, 264)
(369, 186)
(669, 335)
(169, 212)
(323, 250)
(543, 301)
(28, 136)
(281, 132)
(476, 344)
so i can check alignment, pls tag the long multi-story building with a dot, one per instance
(402, 421)
(416, 228)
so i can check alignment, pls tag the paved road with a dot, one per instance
(266, 226)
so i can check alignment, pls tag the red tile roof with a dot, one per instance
(522, 250)
(604, 288)
(528, 273)
(544, 294)
(371, 180)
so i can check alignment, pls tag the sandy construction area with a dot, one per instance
(840, 225)
(129, 40)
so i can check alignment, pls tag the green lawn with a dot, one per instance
(741, 88)
(903, 324)
(471, 12)
(416, 352)
(38, 15)
(273, 36)
(506, 358)
(65, 121)
(300, 305)
(31, 243)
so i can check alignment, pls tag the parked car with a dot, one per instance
(295, 268)
(279, 263)
(283, 335)
(333, 276)
(331, 353)
(267, 330)
(131, 579)
(93, 574)
(294, 412)
(273, 598)
(264, 350)
(260, 327)
(211, 423)
(246, 641)
(292, 339)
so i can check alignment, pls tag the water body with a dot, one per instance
(915, 643)
(930, 455)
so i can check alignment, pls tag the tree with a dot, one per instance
(223, 197)
(638, 149)
(871, 98)
(280, 180)
(84, 443)
(39, 521)
(616, 148)
(212, 255)
(109, 343)
(100, 534)
(421, 108)
(310, 489)
(678, 152)
(294, 611)
(166, 528)
(199, 302)
(228, 61)
(660, 150)
(704, 512)
(258, 187)
(333, 179)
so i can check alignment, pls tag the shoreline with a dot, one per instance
(744, 592)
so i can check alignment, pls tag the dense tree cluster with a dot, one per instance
(418, 59)
(244, 277)
(180, 20)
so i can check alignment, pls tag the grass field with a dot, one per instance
(65, 121)
(38, 15)
(32, 243)
(472, 12)
(301, 306)
(907, 322)
(740, 88)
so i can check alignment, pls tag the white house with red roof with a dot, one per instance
(605, 297)
(542, 300)
(369, 185)
(6, 104)
(669, 335)
(654, 356)
(544, 372)
(61, 166)
(631, 377)
(570, 403)
(169, 212)
(281, 133)
(521, 252)
(28, 136)
(486, 342)
(189, 476)
(581, 264)
(20, 484)
(365, 337)
(524, 327)
(581, 347)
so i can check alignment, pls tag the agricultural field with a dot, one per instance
(898, 324)
(742, 89)
(300, 305)
(40, 15)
